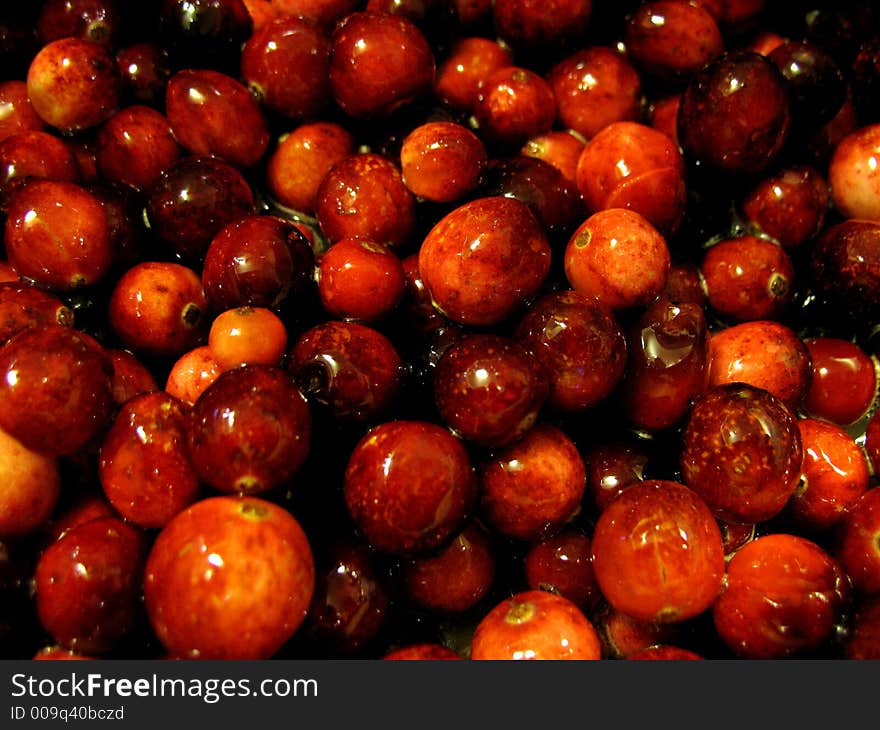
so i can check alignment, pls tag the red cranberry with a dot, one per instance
(350, 603)
(634, 166)
(735, 534)
(378, 63)
(457, 577)
(535, 625)
(158, 308)
(351, 368)
(844, 381)
(863, 641)
(286, 64)
(73, 84)
(667, 367)
(144, 68)
(612, 466)
(193, 199)
(748, 278)
(563, 564)
(409, 486)
(212, 113)
(657, 553)
(247, 336)
(250, 430)
(672, 40)
(741, 452)
(16, 111)
(144, 466)
(764, 354)
(665, 652)
(489, 389)
(363, 196)
(581, 345)
(534, 486)
(513, 104)
(94, 20)
(300, 161)
(857, 540)
(834, 475)
(622, 635)
(852, 174)
(229, 578)
(24, 305)
(617, 256)
(460, 74)
(734, 115)
(204, 33)
(426, 651)
(783, 596)
(484, 259)
(594, 87)
(130, 376)
(528, 26)
(562, 149)
(30, 484)
(663, 115)
(88, 585)
(34, 154)
(56, 389)
(192, 373)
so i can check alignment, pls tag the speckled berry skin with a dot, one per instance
(741, 453)
(484, 259)
(409, 486)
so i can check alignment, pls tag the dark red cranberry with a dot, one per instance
(242, 593)
(144, 68)
(250, 431)
(667, 365)
(513, 104)
(844, 381)
(130, 376)
(325, 13)
(622, 635)
(461, 72)
(16, 111)
(409, 486)
(741, 452)
(457, 577)
(34, 154)
(350, 603)
(88, 585)
(484, 259)
(24, 305)
(612, 466)
(378, 63)
(735, 114)
(534, 625)
(212, 113)
(581, 345)
(816, 85)
(56, 389)
(93, 20)
(204, 33)
(863, 640)
(286, 64)
(657, 553)
(351, 368)
(425, 651)
(857, 540)
(783, 596)
(684, 284)
(560, 148)
(529, 27)
(193, 199)
(563, 564)
(144, 465)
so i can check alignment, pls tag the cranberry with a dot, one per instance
(741, 452)
(622, 635)
(247, 336)
(74, 84)
(489, 389)
(83, 508)
(286, 64)
(789, 205)
(56, 653)
(534, 625)
(562, 149)
(144, 68)
(634, 166)
(351, 368)
(350, 603)
(425, 651)
(94, 20)
(765, 354)
(378, 63)
(442, 161)
(534, 486)
(665, 652)
(193, 199)
(88, 584)
(513, 104)
(300, 161)
(200, 33)
(16, 111)
(229, 578)
(872, 442)
(460, 74)
(563, 564)
(250, 430)
(857, 540)
(852, 174)
(529, 26)
(736, 534)
(863, 641)
(663, 115)
(130, 376)
(363, 196)
(30, 484)
(667, 367)
(734, 115)
(672, 40)
(144, 465)
(484, 259)
(748, 278)
(612, 466)
(617, 256)
(409, 486)
(34, 154)
(783, 596)
(456, 578)
(581, 345)
(192, 373)
(211, 113)
(158, 308)
(594, 87)
(657, 553)
(24, 305)
(325, 13)
(56, 389)
(844, 381)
